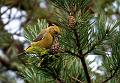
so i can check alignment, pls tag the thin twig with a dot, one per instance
(76, 79)
(5, 10)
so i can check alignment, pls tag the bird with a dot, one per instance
(45, 38)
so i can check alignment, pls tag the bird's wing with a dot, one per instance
(40, 36)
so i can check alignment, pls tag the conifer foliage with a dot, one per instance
(82, 34)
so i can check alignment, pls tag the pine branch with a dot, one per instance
(85, 69)
(112, 75)
(81, 57)
(77, 40)
(94, 45)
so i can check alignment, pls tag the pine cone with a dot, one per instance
(55, 46)
(71, 21)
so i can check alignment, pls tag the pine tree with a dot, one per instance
(82, 34)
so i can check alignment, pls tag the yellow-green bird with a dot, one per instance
(45, 38)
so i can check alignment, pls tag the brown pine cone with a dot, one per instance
(71, 21)
(55, 46)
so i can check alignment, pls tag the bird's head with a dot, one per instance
(54, 30)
